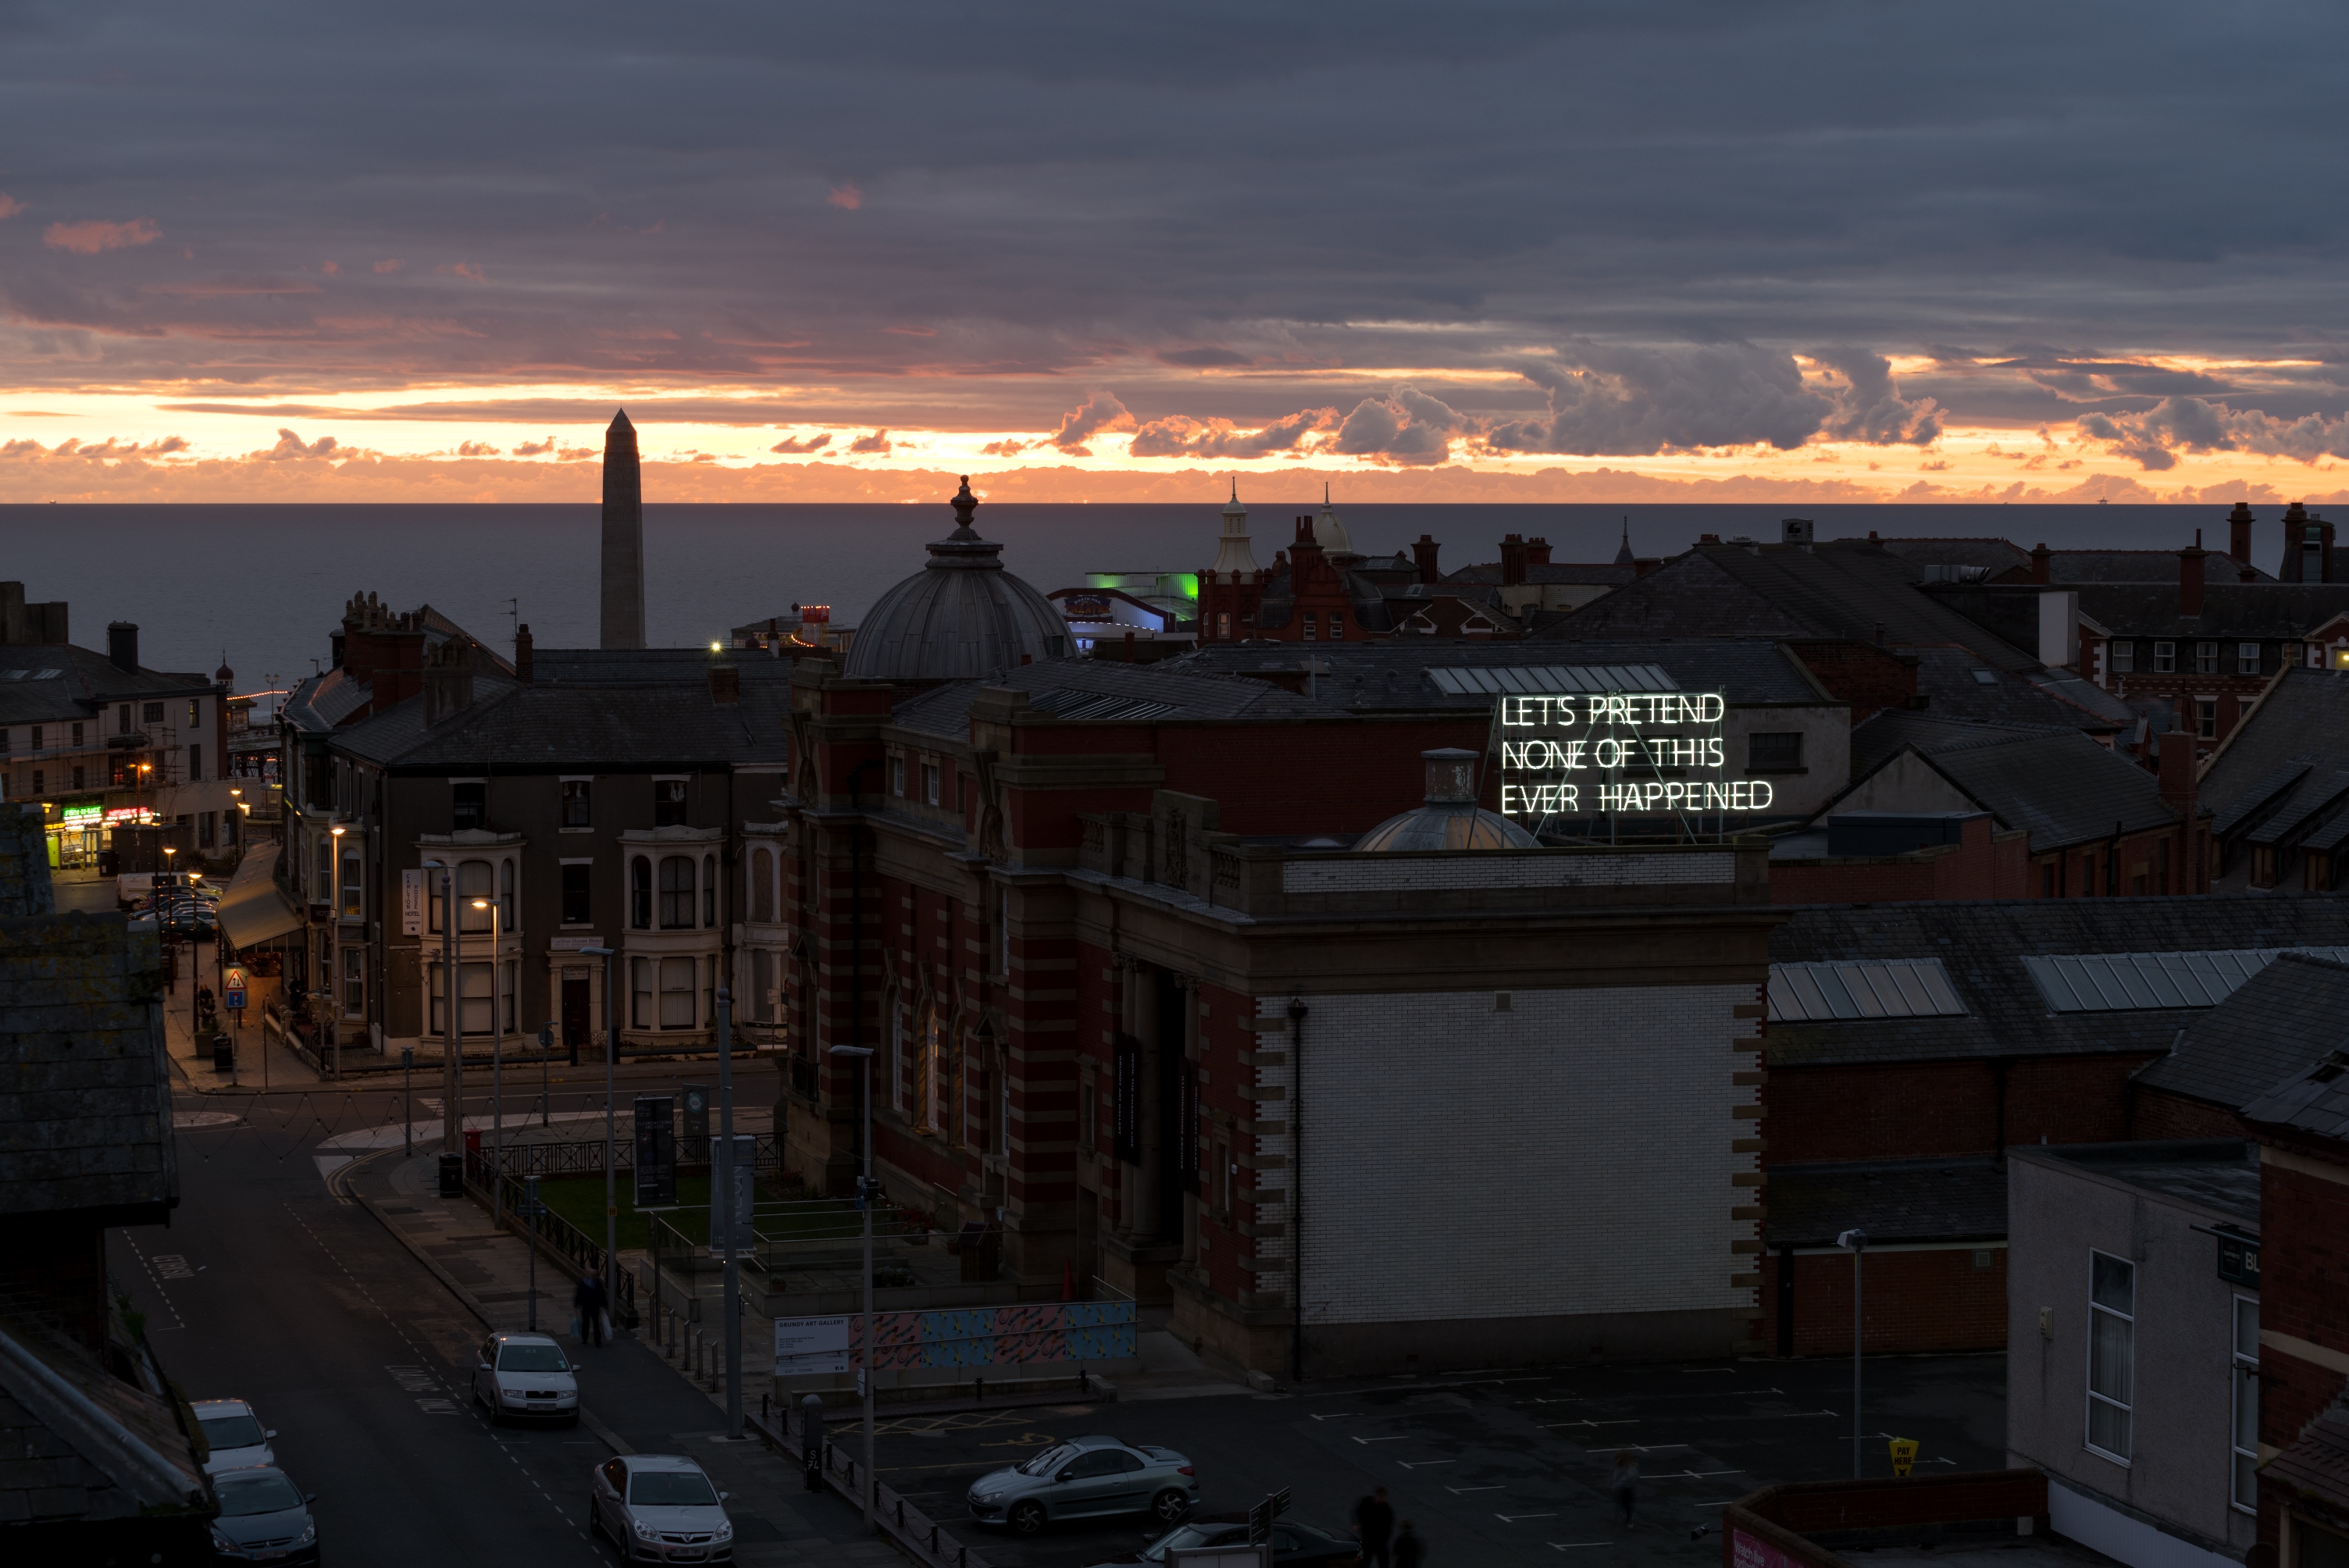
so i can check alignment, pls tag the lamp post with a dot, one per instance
(1857, 1241)
(866, 1196)
(497, 1071)
(452, 1079)
(723, 1175)
(611, 1052)
(333, 1031)
(406, 1103)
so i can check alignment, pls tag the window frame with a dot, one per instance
(468, 798)
(2206, 658)
(578, 803)
(672, 802)
(2248, 659)
(2206, 718)
(675, 907)
(350, 889)
(2120, 656)
(1757, 763)
(930, 781)
(578, 892)
(640, 894)
(2165, 658)
(2125, 1402)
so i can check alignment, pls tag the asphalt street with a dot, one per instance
(1512, 1468)
(267, 1286)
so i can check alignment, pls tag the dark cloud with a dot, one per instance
(883, 201)
(793, 444)
(1100, 411)
(1179, 436)
(877, 444)
(1408, 427)
(2153, 438)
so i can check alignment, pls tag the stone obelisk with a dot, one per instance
(624, 537)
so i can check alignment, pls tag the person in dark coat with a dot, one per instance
(587, 1301)
(1624, 1482)
(1373, 1524)
(1410, 1547)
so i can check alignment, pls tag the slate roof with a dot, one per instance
(2065, 568)
(2278, 776)
(2314, 1100)
(1980, 946)
(1391, 676)
(2229, 609)
(1893, 1201)
(2276, 1023)
(647, 666)
(1569, 572)
(81, 1445)
(513, 727)
(1840, 591)
(1165, 691)
(1947, 679)
(84, 681)
(2316, 1466)
(2220, 1174)
(2055, 784)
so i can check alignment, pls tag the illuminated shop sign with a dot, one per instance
(1087, 607)
(82, 813)
(118, 815)
(1619, 754)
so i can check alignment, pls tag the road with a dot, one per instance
(266, 1287)
(1508, 1469)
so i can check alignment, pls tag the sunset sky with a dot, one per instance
(1522, 251)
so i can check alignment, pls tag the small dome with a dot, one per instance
(1450, 820)
(961, 616)
(1327, 532)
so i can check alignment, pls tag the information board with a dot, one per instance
(655, 1151)
(806, 1346)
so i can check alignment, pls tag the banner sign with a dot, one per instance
(411, 904)
(1002, 1336)
(736, 1216)
(811, 1345)
(1746, 1552)
(1622, 754)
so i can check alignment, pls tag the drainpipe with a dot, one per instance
(1296, 1011)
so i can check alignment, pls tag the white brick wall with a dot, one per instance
(1570, 1156)
(1370, 872)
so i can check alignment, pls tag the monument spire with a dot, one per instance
(624, 537)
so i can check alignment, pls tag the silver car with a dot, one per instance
(519, 1375)
(1084, 1478)
(235, 1433)
(659, 1508)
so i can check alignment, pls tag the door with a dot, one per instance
(1092, 1485)
(1129, 1484)
(574, 1014)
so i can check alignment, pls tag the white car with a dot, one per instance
(659, 1508)
(234, 1434)
(526, 1375)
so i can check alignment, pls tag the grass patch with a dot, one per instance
(580, 1200)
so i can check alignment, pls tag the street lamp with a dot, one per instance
(453, 1071)
(1857, 1240)
(497, 1071)
(865, 1194)
(611, 1054)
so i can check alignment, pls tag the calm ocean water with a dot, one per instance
(266, 584)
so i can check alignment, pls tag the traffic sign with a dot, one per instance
(1904, 1455)
(1262, 1516)
(233, 998)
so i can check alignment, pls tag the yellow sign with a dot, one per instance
(1904, 1455)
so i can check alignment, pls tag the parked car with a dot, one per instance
(264, 1518)
(235, 1433)
(526, 1375)
(659, 1508)
(1294, 1545)
(1085, 1478)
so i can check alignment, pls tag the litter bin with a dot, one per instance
(452, 1175)
(223, 1054)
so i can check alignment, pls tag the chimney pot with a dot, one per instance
(1422, 555)
(2042, 571)
(122, 646)
(2239, 532)
(2189, 577)
(523, 650)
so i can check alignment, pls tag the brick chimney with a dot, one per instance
(2041, 571)
(122, 646)
(2189, 577)
(725, 685)
(2176, 767)
(1536, 552)
(2239, 532)
(447, 682)
(1513, 560)
(523, 650)
(1423, 555)
(2299, 545)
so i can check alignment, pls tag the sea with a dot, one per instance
(262, 587)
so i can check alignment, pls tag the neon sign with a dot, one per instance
(1617, 755)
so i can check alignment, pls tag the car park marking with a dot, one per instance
(1457, 1491)
(163, 1295)
(1576, 1545)
(1335, 1415)
(1512, 1517)
(436, 1407)
(1423, 1464)
(1398, 1438)
(1626, 1421)
(171, 1265)
(197, 1120)
(1691, 1474)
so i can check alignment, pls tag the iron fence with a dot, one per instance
(586, 1158)
(559, 1236)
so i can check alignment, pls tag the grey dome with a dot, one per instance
(961, 615)
(1450, 820)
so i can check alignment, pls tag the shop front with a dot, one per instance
(77, 831)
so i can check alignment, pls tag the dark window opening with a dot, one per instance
(668, 802)
(577, 902)
(1773, 751)
(467, 806)
(574, 803)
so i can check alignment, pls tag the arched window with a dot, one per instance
(676, 892)
(709, 890)
(762, 885)
(640, 897)
(475, 879)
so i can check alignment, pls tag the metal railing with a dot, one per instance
(556, 1236)
(585, 1157)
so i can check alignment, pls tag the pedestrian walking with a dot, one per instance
(1373, 1526)
(1410, 1547)
(1624, 1482)
(587, 1301)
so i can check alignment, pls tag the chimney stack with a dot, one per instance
(447, 682)
(122, 646)
(2174, 763)
(2040, 569)
(1513, 560)
(2239, 532)
(2189, 577)
(523, 655)
(1538, 552)
(725, 685)
(1422, 555)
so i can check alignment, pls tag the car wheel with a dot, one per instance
(1025, 1518)
(1169, 1506)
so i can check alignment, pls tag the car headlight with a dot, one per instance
(987, 1497)
(309, 1533)
(226, 1545)
(644, 1532)
(515, 1396)
(725, 1533)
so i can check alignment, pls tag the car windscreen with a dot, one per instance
(1045, 1463)
(533, 1358)
(1187, 1536)
(671, 1489)
(256, 1494)
(231, 1431)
